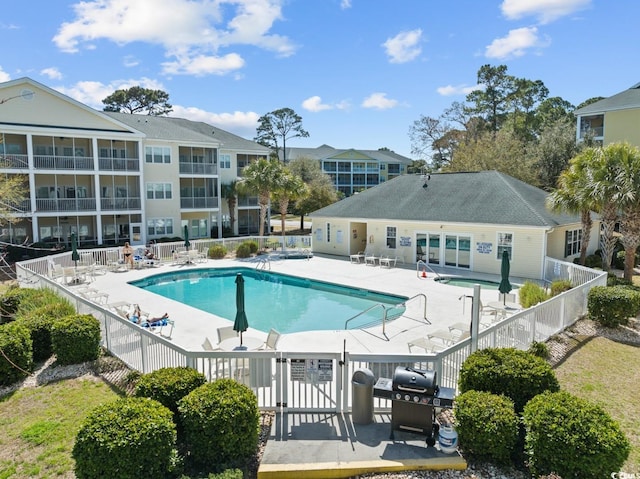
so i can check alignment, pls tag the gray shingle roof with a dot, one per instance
(325, 151)
(488, 197)
(625, 99)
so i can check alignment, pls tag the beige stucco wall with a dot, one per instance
(556, 241)
(530, 245)
(162, 173)
(622, 125)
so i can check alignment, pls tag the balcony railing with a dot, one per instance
(51, 162)
(110, 204)
(66, 204)
(119, 164)
(14, 161)
(248, 201)
(196, 202)
(17, 207)
(198, 168)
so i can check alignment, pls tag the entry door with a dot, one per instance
(457, 251)
(136, 234)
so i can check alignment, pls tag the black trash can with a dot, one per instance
(362, 383)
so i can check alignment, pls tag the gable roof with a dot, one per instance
(324, 152)
(629, 98)
(488, 197)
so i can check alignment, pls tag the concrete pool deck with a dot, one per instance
(446, 304)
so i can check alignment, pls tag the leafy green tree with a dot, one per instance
(589, 101)
(290, 188)
(279, 125)
(229, 191)
(139, 100)
(262, 177)
(552, 110)
(491, 102)
(553, 150)
(320, 192)
(13, 192)
(523, 100)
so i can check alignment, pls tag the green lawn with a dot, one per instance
(39, 426)
(608, 373)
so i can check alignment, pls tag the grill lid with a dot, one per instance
(413, 380)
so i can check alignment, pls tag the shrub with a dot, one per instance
(39, 322)
(217, 251)
(253, 245)
(487, 425)
(613, 306)
(243, 251)
(560, 286)
(531, 294)
(519, 375)
(9, 303)
(169, 385)
(593, 261)
(127, 438)
(572, 437)
(539, 349)
(220, 422)
(15, 344)
(76, 338)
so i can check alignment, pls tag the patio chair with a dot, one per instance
(388, 261)
(370, 257)
(207, 346)
(226, 332)
(272, 340)
(427, 344)
(357, 258)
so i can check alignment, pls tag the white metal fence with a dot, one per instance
(317, 382)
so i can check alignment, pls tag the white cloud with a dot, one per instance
(314, 103)
(344, 4)
(51, 72)
(204, 65)
(92, 93)
(451, 90)
(544, 10)
(404, 46)
(130, 61)
(194, 36)
(4, 76)
(515, 43)
(240, 123)
(379, 101)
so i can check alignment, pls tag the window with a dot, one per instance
(160, 226)
(225, 161)
(159, 191)
(505, 243)
(328, 233)
(157, 154)
(391, 237)
(572, 242)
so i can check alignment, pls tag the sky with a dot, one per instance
(358, 72)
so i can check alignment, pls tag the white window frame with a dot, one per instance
(572, 242)
(154, 188)
(504, 241)
(391, 234)
(157, 154)
(225, 161)
(160, 227)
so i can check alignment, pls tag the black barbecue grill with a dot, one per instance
(414, 395)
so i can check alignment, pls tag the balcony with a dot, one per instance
(247, 201)
(195, 202)
(66, 204)
(15, 161)
(17, 207)
(198, 168)
(51, 162)
(111, 204)
(119, 164)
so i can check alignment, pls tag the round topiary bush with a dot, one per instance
(76, 339)
(519, 375)
(531, 294)
(572, 437)
(613, 306)
(253, 246)
(487, 425)
(128, 439)
(220, 422)
(169, 385)
(217, 251)
(15, 344)
(243, 251)
(39, 322)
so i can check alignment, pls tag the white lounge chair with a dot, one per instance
(388, 261)
(427, 344)
(272, 340)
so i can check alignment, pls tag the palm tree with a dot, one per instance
(572, 195)
(291, 188)
(229, 191)
(262, 177)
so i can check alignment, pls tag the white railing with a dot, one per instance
(304, 381)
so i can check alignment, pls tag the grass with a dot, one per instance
(39, 426)
(605, 372)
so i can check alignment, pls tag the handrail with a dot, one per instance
(263, 263)
(424, 314)
(426, 267)
(384, 317)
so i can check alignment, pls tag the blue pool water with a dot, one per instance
(274, 300)
(469, 282)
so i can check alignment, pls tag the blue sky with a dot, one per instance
(359, 72)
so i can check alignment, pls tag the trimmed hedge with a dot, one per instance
(220, 422)
(76, 339)
(39, 321)
(613, 306)
(217, 251)
(169, 385)
(559, 286)
(128, 438)
(572, 437)
(531, 294)
(252, 244)
(519, 375)
(487, 425)
(243, 251)
(15, 343)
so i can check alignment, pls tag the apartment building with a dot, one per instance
(612, 119)
(112, 177)
(354, 170)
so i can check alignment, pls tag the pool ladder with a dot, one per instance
(425, 268)
(264, 263)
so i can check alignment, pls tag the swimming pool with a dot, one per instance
(273, 300)
(469, 282)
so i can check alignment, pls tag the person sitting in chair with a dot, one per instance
(148, 254)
